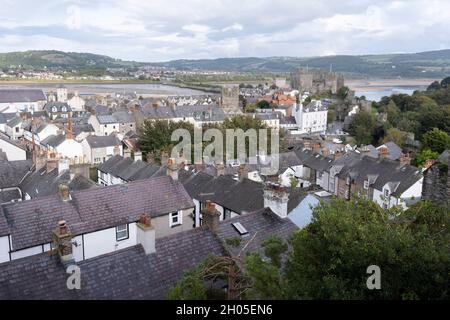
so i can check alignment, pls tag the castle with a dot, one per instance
(315, 81)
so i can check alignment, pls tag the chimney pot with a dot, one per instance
(211, 217)
(64, 192)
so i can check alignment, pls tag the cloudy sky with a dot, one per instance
(160, 30)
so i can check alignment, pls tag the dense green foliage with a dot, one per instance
(329, 258)
(155, 135)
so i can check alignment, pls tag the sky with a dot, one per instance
(162, 30)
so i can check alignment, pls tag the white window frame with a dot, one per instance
(386, 193)
(179, 217)
(123, 228)
(366, 184)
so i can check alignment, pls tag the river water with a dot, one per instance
(91, 89)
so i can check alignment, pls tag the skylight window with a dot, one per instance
(240, 228)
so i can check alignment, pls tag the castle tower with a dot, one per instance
(230, 100)
(61, 93)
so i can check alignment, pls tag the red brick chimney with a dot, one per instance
(211, 217)
(62, 241)
(326, 152)
(337, 155)
(428, 163)
(316, 147)
(172, 168)
(64, 192)
(405, 159)
(220, 169)
(146, 233)
(383, 152)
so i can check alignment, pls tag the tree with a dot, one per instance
(331, 116)
(155, 135)
(435, 85)
(362, 127)
(263, 104)
(342, 92)
(445, 83)
(396, 136)
(330, 256)
(424, 155)
(436, 140)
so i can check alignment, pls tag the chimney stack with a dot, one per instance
(337, 155)
(63, 164)
(150, 158)
(64, 192)
(137, 155)
(146, 234)
(127, 153)
(211, 217)
(276, 198)
(383, 152)
(51, 164)
(220, 169)
(242, 172)
(164, 158)
(172, 169)
(405, 159)
(62, 241)
(316, 147)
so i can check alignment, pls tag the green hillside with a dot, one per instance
(432, 64)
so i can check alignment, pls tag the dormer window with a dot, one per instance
(366, 184)
(54, 109)
(63, 109)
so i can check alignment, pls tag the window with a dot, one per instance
(386, 193)
(347, 181)
(175, 219)
(122, 232)
(366, 184)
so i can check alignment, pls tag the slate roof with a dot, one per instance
(106, 119)
(198, 112)
(381, 172)
(85, 127)
(444, 157)
(31, 222)
(240, 197)
(102, 141)
(13, 142)
(14, 122)
(130, 273)
(5, 117)
(21, 95)
(12, 172)
(10, 195)
(260, 225)
(123, 117)
(41, 183)
(119, 275)
(394, 150)
(53, 140)
(314, 160)
(130, 170)
(59, 105)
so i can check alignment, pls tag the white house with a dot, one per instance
(76, 103)
(65, 147)
(18, 100)
(98, 149)
(41, 132)
(100, 220)
(14, 128)
(311, 118)
(12, 149)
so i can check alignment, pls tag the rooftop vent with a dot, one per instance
(240, 228)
